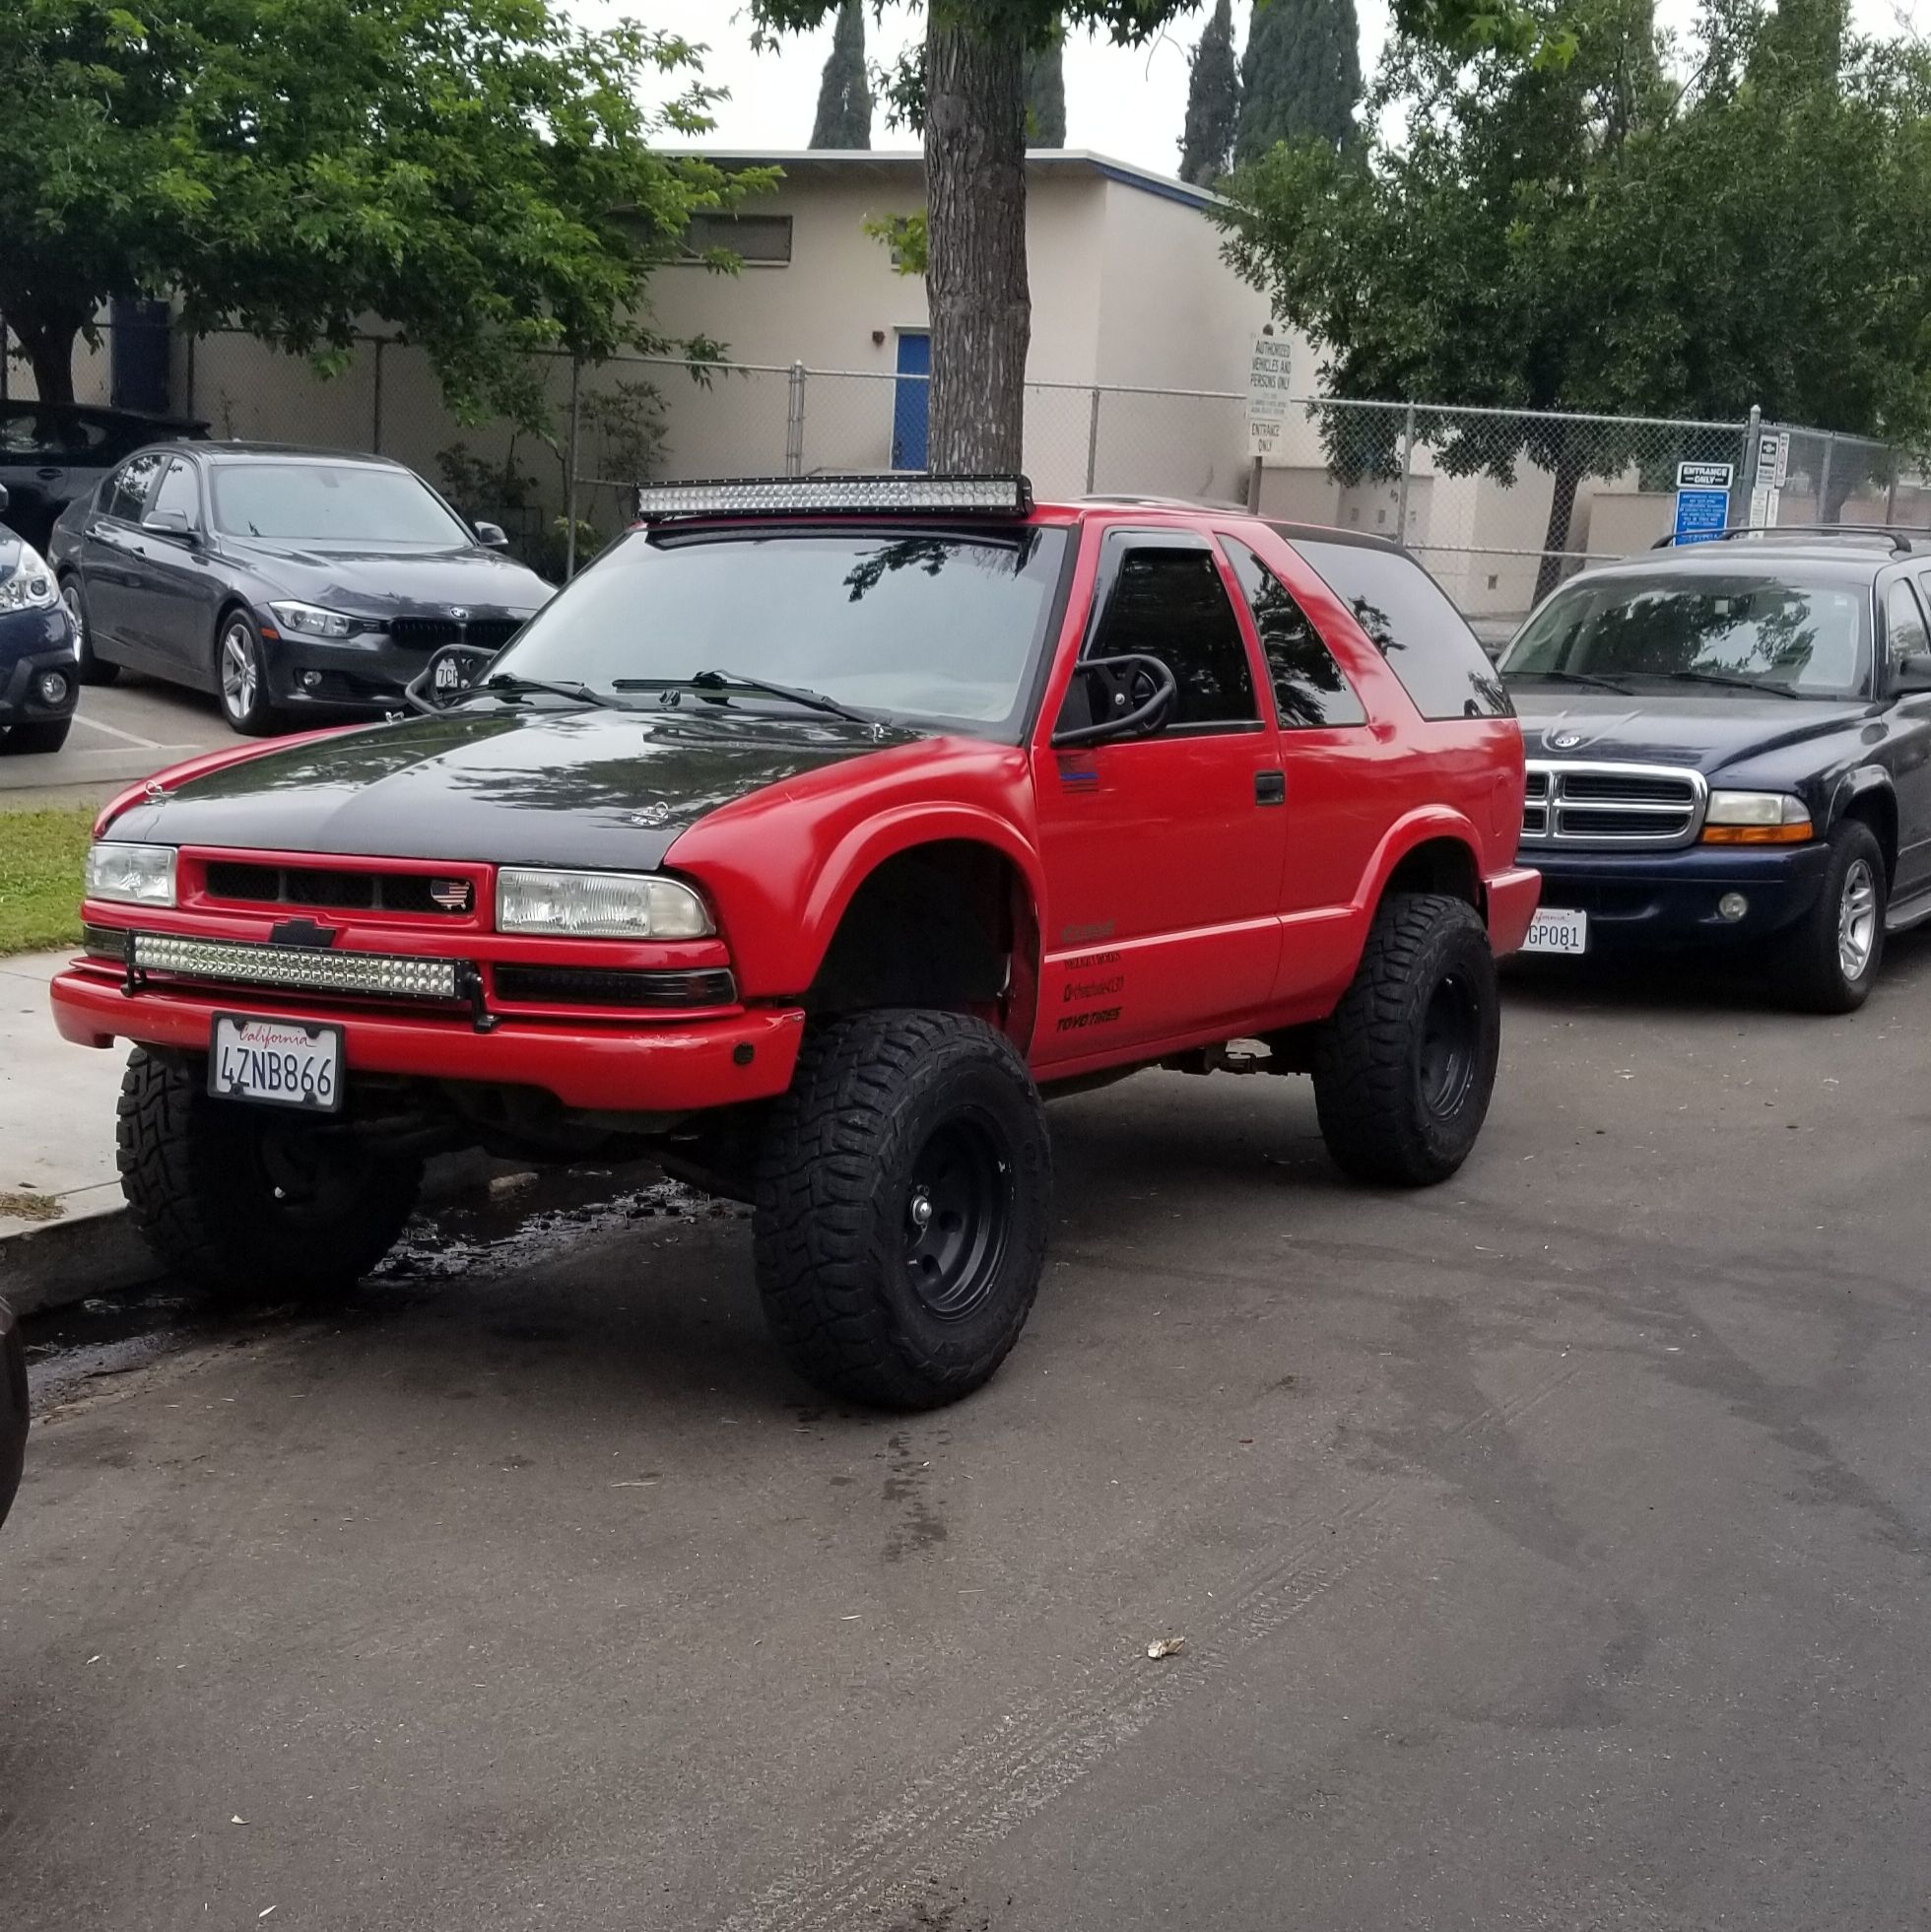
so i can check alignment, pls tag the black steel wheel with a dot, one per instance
(903, 1194)
(1405, 1066)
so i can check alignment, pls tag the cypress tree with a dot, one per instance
(845, 95)
(1212, 102)
(1045, 95)
(1301, 76)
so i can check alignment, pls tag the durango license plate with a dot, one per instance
(1551, 931)
(280, 1061)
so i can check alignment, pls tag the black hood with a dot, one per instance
(576, 788)
(371, 581)
(1709, 732)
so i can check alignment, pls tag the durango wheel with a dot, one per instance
(902, 1197)
(1828, 961)
(1404, 1069)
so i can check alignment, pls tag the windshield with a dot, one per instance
(1714, 633)
(940, 626)
(333, 503)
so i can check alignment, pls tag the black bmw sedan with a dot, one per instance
(281, 580)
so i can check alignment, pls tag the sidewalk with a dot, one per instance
(63, 1229)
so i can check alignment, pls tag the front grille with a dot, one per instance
(432, 632)
(298, 968)
(540, 985)
(334, 889)
(1648, 807)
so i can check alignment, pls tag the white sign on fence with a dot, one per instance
(1267, 397)
(1773, 466)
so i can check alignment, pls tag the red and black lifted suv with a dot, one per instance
(806, 840)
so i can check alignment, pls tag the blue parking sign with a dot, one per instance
(1701, 514)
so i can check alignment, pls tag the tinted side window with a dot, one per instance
(1310, 687)
(1414, 626)
(1904, 624)
(131, 485)
(1171, 603)
(179, 491)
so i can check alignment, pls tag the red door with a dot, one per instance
(1162, 854)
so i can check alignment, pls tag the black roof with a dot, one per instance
(226, 450)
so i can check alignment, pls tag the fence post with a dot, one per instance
(375, 443)
(1401, 488)
(1092, 437)
(1890, 500)
(569, 480)
(187, 408)
(1824, 473)
(794, 422)
(1752, 436)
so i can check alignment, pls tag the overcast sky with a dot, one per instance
(1125, 102)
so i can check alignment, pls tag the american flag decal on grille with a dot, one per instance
(452, 895)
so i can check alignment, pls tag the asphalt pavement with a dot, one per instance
(121, 732)
(1550, 1550)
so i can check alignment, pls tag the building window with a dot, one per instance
(762, 239)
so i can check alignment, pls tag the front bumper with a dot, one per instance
(1662, 899)
(33, 642)
(13, 1408)
(642, 1066)
(1512, 900)
(365, 674)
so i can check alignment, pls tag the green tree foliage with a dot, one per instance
(478, 172)
(1585, 232)
(1213, 101)
(845, 95)
(1045, 95)
(1300, 77)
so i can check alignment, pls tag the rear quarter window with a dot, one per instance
(1410, 621)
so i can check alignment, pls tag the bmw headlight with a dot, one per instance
(133, 875)
(599, 906)
(311, 621)
(31, 586)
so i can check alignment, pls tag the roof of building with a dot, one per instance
(883, 162)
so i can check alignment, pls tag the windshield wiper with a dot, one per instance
(507, 685)
(1583, 678)
(721, 682)
(1733, 680)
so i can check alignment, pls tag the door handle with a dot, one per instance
(1270, 787)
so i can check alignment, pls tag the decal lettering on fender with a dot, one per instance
(1099, 1017)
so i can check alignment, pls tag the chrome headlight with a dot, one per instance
(31, 586)
(1755, 808)
(599, 906)
(133, 875)
(311, 621)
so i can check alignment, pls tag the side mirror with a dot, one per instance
(1127, 696)
(1910, 677)
(492, 536)
(450, 671)
(167, 523)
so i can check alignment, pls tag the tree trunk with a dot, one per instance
(975, 267)
(1561, 507)
(49, 347)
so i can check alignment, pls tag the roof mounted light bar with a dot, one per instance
(837, 496)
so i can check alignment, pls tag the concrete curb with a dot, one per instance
(66, 1261)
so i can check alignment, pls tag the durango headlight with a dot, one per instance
(31, 586)
(1755, 817)
(133, 875)
(311, 621)
(599, 906)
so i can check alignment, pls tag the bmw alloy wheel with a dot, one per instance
(240, 673)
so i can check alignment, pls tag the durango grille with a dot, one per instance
(1647, 806)
(432, 632)
(333, 888)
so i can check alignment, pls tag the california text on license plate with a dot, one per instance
(1557, 932)
(280, 1061)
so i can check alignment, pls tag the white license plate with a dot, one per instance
(280, 1061)
(1557, 932)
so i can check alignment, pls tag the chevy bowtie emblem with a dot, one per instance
(302, 932)
(452, 895)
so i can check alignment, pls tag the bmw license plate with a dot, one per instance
(283, 1062)
(1551, 931)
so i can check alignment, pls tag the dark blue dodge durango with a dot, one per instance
(1730, 745)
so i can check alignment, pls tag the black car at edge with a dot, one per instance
(40, 679)
(282, 580)
(1730, 745)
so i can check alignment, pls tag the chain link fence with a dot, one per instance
(1499, 504)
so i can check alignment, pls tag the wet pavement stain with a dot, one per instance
(919, 1526)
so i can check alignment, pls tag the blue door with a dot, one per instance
(910, 397)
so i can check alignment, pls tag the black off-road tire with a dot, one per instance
(201, 1177)
(44, 735)
(1808, 964)
(1405, 1066)
(888, 1109)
